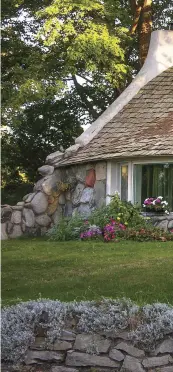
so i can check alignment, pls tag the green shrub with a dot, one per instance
(14, 192)
(124, 212)
(118, 219)
(143, 233)
(66, 229)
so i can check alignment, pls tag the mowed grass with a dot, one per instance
(86, 270)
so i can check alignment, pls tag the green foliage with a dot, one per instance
(128, 224)
(66, 60)
(13, 192)
(67, 229)
(85, 33)
(41, 129)
(145, 233)
(125, 212)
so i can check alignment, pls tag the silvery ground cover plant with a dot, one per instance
(19, 322)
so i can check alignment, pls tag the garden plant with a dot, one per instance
(118, 220)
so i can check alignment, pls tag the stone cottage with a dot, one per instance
(128, 149)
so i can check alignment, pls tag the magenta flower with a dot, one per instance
(158, 201)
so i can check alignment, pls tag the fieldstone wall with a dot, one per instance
(163, 221)
(60, 192)
(106, 352)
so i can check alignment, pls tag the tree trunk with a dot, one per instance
(145, 28)
(142, 24)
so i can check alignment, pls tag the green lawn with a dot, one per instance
(84, 271)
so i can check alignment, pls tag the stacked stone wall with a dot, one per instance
(162, 221)
(106, 352)
(60, 192)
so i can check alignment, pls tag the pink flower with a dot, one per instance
(121, 226)
(158, 201)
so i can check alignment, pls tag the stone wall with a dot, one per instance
(106, 352)
(60, 192)
(162, 221)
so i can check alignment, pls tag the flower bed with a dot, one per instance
(118, 220)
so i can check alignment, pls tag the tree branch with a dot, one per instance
(87, 105)
(136, 19)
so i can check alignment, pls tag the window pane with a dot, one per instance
(124, 182)
(152, 180)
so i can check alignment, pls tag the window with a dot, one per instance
(124, 182)
(151, 180)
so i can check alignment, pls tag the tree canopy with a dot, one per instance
(63, 63)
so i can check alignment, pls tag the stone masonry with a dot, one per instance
(77, 352)
(61, 192)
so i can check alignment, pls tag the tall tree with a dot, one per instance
(142, 12)
(73, 54)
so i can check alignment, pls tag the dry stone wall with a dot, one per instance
(163, 221)
(60, 192)
(79, 352)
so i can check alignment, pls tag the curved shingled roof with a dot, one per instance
(144, 127)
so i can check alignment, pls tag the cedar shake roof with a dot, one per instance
(144, 127)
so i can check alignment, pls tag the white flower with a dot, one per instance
(154, 202)
(166, 212)
(160, 197)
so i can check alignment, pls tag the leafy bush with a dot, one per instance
(119, 219)
(11, 193)
(67, 229)
(142, 233)
(124, 212)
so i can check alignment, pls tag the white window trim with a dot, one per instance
(113, 182)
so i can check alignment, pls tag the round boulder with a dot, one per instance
(88, 196)
(16, 217)
(61, 199)
(29, 217)
(46, 170)
(43, 220)
(39, 203)
(77, 194)
(30, 197)
(16, 232)
(56, 217)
